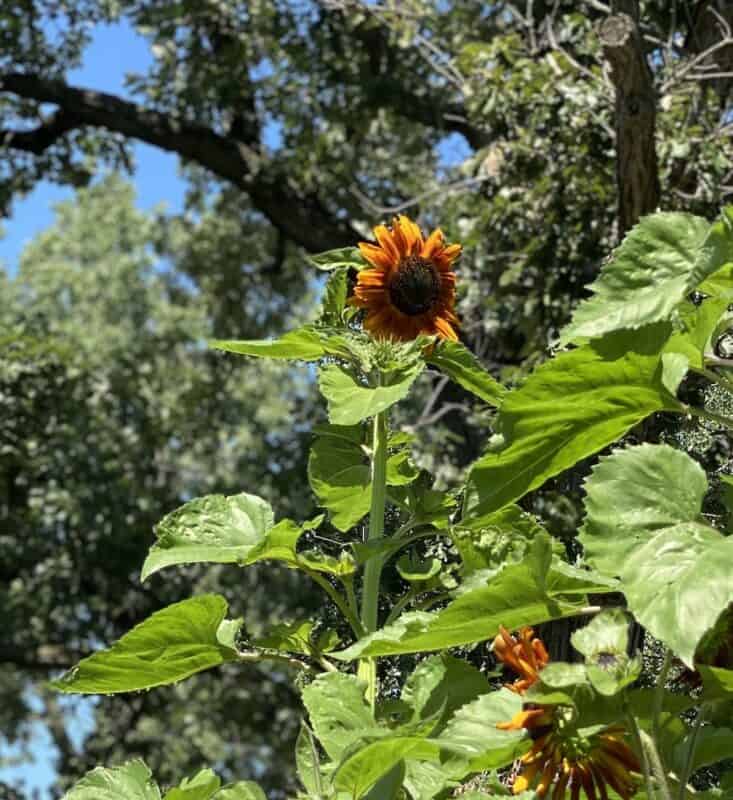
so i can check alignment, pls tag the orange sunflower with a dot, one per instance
(410, 288)
(560, 758)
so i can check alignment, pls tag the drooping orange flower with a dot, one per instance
(569, 762)
(560, 758)
(410, 288)
(526, 655)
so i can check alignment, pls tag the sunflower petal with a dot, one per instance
(433, 244)
(375, 256)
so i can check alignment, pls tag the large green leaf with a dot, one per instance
(132, 781)
(568, 409)
(215, 528)
(169, 646)
(340, 474)
(471, 741)
(303, 344)
(349, 401)
(660, 261)
(643, 523)
(338, 711)
(462, 366)
(201, 787)
(358, 773)
(442, 683)
(533, 591)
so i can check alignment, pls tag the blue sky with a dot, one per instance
(114, 51)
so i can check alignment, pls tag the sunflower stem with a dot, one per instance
(373, 568)
(655, 763)
(636, 735)
(687, 771)
(659, 691)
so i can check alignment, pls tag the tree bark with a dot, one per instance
(637, 174)
(299, 215)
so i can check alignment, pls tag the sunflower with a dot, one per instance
(410, 288)
(561, 758)
(526, 656)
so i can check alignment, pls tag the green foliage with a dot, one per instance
(526, 593)
(215, 529)
(660, 262)
(350, 402)
(644, 525)
(568, 409)
(133, 781)
(461, 366)
(171, 645)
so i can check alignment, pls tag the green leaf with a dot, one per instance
(358, 773)
(339, 258)
(711, 746)
(491, 540)
(339, 473)
(132, 781)
(569, 408)
(338, 711)
(389, 786)
(303, 344)
(461, 365)
(201, 787)
(717, 682)
(169, 646)
(307, 761)
(660, 261)
(533, 591)
(214, 529)
(334, 297)
(471, 742)
(350, 402)
(291, 637)
(699, 324)
(442, 683)
(242, 790)
(416, 570)
(643, 523)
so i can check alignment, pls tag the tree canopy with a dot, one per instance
(299, 124)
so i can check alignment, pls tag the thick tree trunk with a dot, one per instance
(636, 158)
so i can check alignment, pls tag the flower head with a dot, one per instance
(560, 757)
(566, 762)
(410, 288)
(526, 655)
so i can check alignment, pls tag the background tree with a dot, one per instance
(300, 124)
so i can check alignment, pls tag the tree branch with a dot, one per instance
(636, 158)
(301, 216)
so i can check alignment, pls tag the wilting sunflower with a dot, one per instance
(526, 656)
(410, 288)
(560, 758)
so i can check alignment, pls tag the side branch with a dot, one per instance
(636, 157)
(301, 216)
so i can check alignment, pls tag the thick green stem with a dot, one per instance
(685, 776)
(636, 735)
(659, 691)
(373, 568)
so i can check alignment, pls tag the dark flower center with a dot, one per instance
(415, 287)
